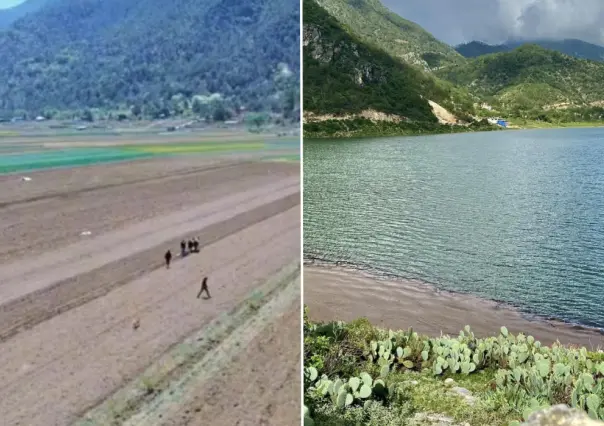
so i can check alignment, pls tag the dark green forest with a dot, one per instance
(334, 60)
(530, 79)
(151, 58)
(344, 75)
(571, 47)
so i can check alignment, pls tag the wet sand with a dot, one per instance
(337, 294)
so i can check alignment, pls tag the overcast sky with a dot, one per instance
(9, 3)
(494, 21)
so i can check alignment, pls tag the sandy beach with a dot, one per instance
(81, 260)
(336, 294)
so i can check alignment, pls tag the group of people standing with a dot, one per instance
(186, 247)
(192, 245)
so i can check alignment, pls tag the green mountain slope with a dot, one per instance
(343, 75)
(474, 49)
(116, 54)
(531, 80)
(571, 47)
(346, 79)
(374, 24)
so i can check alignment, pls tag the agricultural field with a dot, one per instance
(94, 329)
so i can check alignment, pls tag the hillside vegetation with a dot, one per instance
(571, 47)
(358, 374)
(152, 58)
(348, 79)
(376, 25)
(534, 82)
(366, 72)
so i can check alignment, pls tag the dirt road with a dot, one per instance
(68, 301)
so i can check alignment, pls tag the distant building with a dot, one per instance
(40, 118)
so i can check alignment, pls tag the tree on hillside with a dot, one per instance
(87, 115)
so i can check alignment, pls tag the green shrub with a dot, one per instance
(361, 363)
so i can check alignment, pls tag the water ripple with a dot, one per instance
(516, 217)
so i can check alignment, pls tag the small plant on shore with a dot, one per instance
(361, 365)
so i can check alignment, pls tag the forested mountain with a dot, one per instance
(152, 57)
(474, 49)
(375, 24)
(572, 47)
(354, 62)
(342, 75)
(351, 87)
(531, 80)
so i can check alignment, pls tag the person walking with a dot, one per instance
(183, 248)
(196, 245)
(168, 258)
(190, 246)
(204, 287)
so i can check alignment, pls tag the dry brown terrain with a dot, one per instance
(336, 294)
(68, 301)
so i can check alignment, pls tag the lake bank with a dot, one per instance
(333, 293)
(344, 130)
(365, 128)
(508, 216)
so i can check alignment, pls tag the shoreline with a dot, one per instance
(337, 293)
(514, 127)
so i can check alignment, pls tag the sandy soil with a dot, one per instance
(443, 115)
(268, 387)
(67, 309)
(54, 207)
(335, 294)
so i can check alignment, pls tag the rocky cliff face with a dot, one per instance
(346, 53)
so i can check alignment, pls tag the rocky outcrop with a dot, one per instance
(560, 415)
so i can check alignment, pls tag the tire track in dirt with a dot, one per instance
(69, 194)
(164, 385)
(40, 305)
(31, 229)
(23, 277)
(81, 356)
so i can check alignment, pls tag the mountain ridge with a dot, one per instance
(116, 55)
(375, 24)
(573, 47)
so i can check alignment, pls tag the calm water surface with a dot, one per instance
(516, 216)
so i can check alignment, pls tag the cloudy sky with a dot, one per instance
(458, 21)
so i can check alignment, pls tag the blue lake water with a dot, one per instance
(515, 216)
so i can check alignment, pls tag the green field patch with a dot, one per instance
(65, 158)
(194, 148)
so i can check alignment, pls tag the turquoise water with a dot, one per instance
(514, 216)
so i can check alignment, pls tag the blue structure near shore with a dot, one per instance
(502, 123)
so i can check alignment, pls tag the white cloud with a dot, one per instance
(494, 21)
